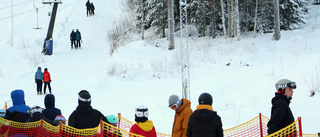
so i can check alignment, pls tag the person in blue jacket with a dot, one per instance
(78, 39)
(39, 79)
(19, 112)
(50, 112)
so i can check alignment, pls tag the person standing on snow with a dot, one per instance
(39, 78)
(181, 118)
(281, 115)
(88, 8)
(19, 112)
(73, 39)
(92, 8)
(143, 126)
(50, 112)
(78, 38)
(204, 122)
(85, 116)
(46, 80)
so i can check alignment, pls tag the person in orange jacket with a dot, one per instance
(143, 126)
(181, 118)
(46, 80)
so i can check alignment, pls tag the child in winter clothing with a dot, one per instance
(38, 79)
(204, 122)
(19, 112)
(60, 119)
(46, 80)
(85, 116)
(112, 131)
(143, 126)
(50, 112)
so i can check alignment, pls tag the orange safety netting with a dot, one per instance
(256, 127)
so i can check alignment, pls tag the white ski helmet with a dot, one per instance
(283, 83)
(142, 111)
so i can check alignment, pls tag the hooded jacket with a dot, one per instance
(50, 112)
(46, 76)
(85, 116)
(38, 75)
(281, 115)
(19, 112)
(181, 119)
(204, 122)
(144, 128)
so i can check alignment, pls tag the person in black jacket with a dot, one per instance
(19, 112)
(88, 5)
(36, 115)
(281, 115)
(50, 112)
(73, 39)
(85, 116)
(204, 122)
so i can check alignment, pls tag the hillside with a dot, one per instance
(140, 73)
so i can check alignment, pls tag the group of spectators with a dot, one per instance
(203, 122)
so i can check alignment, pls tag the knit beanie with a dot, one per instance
(84, 96)
(173, 99)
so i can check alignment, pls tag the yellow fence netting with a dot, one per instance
(257, 127)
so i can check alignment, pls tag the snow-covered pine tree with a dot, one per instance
(293, 14)
(200, 15)
(265, 16)
(158, 16)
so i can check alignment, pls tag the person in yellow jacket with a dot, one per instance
(183, 111)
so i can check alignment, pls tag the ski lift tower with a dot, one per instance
(184, 50)
(48, 42)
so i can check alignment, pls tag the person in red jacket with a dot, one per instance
(143, 126)
(46, 80)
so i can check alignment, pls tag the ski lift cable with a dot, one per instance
(20, 13)
(15, 5)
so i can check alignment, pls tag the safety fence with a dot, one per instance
(257, 127)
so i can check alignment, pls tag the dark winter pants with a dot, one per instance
(88, 12)
(39, 86)
(45, 86)
(78, 44)
(73, 42)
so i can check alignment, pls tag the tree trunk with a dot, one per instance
(276, 35)
(237, 19)
(229, 17)
(223, 20)
(142, 20)
(171, 24)
(255, 20)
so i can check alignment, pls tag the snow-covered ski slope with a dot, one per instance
(146, 75)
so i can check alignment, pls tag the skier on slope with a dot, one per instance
(78, 39)
(73, 39)
(38, 79)
(46, 80)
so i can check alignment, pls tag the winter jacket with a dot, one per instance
(281, 115)
(204, 122)
(73, 36)
(88, 5)
(85, 116)
(19, 112)
(144, 128)
(38, 116)
(181, 119)
(78, 35)
(46, 76)
(38, 75)
(50, 112)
